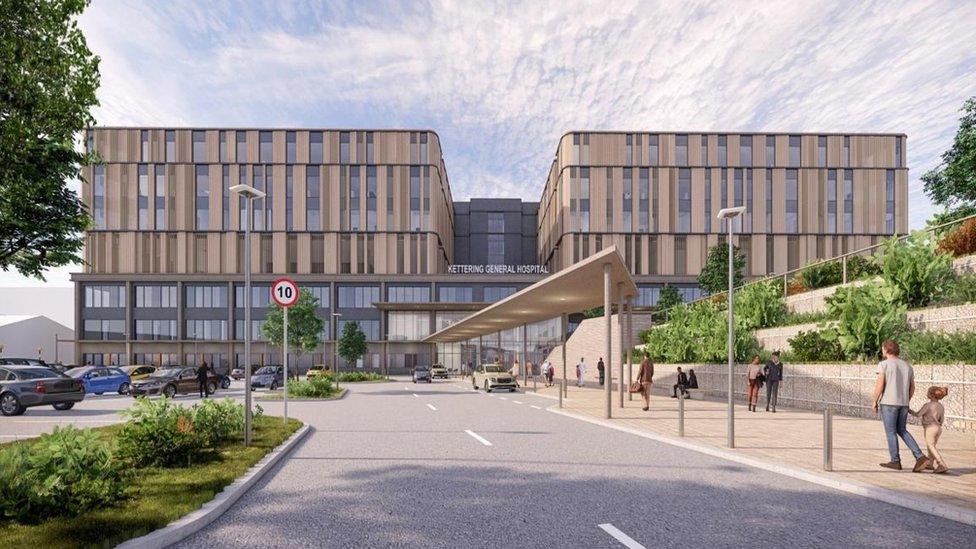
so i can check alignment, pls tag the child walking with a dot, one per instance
(932, 414)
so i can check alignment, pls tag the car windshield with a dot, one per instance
(493, 369)
(267, 370)
(34, 373)
(165, 372)
(77, 372)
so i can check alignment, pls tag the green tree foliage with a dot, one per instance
(940, 348)
(48, 83)
(304, 326)
(697, 333)
(595, 312)
(352, 343)
(821, 275)
(952, 184)
(816, 346)
(714, 277)
(759, 305)
(916, 270)
(670, 297)
(866, 316)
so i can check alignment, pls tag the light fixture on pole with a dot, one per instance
(335, 346)
(729, 214)
(250, 194)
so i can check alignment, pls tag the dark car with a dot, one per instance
(102, 379)
(24, 386)
(422, 373)
(224, 381)
(171, 381)
(271, 377)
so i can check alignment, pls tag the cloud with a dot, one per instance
(501, 82)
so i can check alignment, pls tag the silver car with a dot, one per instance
(24, 386)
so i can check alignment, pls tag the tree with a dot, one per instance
(714, 277)
(595, 312)
(48, 83)
(304, 327)
(352, 343)
(670, 297)
(952, 184)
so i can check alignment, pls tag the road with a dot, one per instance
(438, 465)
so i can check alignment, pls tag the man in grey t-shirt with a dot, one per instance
(892, 393)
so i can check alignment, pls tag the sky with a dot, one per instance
(501, 82)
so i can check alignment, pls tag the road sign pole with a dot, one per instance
(286, 362)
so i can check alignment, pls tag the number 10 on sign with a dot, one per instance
(284, 292)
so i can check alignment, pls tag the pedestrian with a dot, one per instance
(755, 377)
(893, 390)
(645, 376)
(773, 374)
(516, 369)
(932, 414)
(692, 381)
(601, 369)
(581, 372)
(550, 373)
(202, 375)
(681, 384)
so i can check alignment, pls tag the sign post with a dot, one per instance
(284, 292)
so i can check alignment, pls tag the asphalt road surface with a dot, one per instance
(438, 465)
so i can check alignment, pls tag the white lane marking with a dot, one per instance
(415, 395)
(534, 406)
(623, 538)
(503, 398)
(477, 437)
(431, 406)
(516, 402)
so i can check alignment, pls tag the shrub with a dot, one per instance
(963, 289)
(759, 305)
(218, 421)
(352, 377)
(795, 286)
(318, 387)
(813, 346)
(859, 267)
(961, 240)
(915, 270)
(821, 275)
(64, 473)
(670, 297)
(697, 333)
(866, 316)
(159, 433)
(792, 319)
(935, 348)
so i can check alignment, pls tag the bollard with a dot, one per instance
(828, 444)
(681, 415)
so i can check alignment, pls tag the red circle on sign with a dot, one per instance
(284, 292)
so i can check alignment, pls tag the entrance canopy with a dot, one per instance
(570, 290)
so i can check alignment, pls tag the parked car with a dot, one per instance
(438, 370)
(318, 370)
(224, 381)
(421, 373)
(237, 373)
(13, 361)
(102, 379)
(22, 387)
(172, 381)
(138, 372)
(491, 376)
(272, 377)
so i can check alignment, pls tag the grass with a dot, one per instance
(155, 497)
(359, 377)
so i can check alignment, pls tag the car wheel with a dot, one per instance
(99, 393)
(429, 380)
(62, 406)
(124, 389)
(487, 387)
(169, 391)
(9, 405)
(274, 386)
(212, 387)
(225, 383)
(474, 384)
(415, 380)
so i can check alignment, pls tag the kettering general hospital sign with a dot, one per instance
(498, 269)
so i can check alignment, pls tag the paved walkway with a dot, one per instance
(795, 438)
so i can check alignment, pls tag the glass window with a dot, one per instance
(415, 198)
(370, 198)
(723, 150)
(584, 201)
(290, 147)
(455, 294)
(170, 146)
(496, 249)
(628, 200)
(214, 330)
(225, 197)
(899, 141)
(143, 199)
(708, 200)
(704, 150)
(202, 198)
(160, 198)
(408, 294)
(831, 201)
(104, 329)
(847, 151)
(745, 150)
(822, 151)
(155, 296)
(630, 148)
(848, 201)
(769, 202)
(222, 142)
(313, 199)
(890, 202)
(358, 297)
(792, 221)
(795, 151)
(289, 198)
(770, 151)
(104, 296)
(241, 140)
(205, 297)
(643, 183)
(315, 150)
(408, 326)
(343, 147)
(681, 149)
(369, 327)
(653, 150)
(98, 196)
(321, 293)
(144, 146)
(684, 200)
(369, 148)
(498, 293)
(199, 146)
(159, 330)
(260, 296)
(266, 150)
(496, 222)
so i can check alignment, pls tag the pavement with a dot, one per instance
(439, 465)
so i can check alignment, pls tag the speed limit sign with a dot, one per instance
(284, 292)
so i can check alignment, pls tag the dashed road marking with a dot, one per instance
(431, 406)
(517, 402)
(478, 437)
(534, 406)
(623, 538)
(415, 395)
(503, 398)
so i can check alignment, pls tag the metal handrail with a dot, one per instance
(785, 275)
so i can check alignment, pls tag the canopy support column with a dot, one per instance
(621, 339)
(607, 338)
(630, 347)
(563, 328)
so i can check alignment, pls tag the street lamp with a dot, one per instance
(729, 214)
(250, 194)
(335, 346)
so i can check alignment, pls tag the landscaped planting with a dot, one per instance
(354, 377)
(318, 387)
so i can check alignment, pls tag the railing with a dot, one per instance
(785, 276)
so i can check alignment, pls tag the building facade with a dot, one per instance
(365, 220)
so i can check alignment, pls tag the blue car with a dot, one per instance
(102, 379)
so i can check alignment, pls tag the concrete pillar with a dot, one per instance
(621, 339)
(607, 336)
(630, 346)
(525, 358)
(563, 328)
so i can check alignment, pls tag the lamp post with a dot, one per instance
(729, 214)
(250, 194)
(335, 346)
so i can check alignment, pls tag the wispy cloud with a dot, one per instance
(500, 83)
